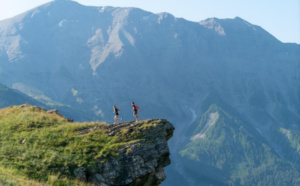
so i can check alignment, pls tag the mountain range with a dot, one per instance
(229, 87)
(13, 97)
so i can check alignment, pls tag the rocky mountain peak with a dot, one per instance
(90, 58)
(213, 24)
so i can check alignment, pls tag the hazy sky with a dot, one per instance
(281, 18)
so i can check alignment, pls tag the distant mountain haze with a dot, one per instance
(13, 97)
(91, 58)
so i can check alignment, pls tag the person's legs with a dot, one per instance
(116, 118)
(135, 115)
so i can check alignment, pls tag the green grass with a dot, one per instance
(47, 148)
(10, 177)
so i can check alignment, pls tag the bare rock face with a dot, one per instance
(139, 162)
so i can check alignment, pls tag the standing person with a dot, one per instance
(116, 111)
(135, 110)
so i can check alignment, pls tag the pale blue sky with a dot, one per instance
(281, 18)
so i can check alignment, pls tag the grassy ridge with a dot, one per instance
(10, 177)
(46, 147)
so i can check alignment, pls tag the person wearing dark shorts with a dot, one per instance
(135, 110)
(116, 111)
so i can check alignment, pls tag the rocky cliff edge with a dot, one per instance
(140, 162)
(52, 149)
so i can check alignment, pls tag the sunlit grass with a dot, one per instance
(46, 147)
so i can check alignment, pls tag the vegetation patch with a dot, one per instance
(236, 156)
(46, 147)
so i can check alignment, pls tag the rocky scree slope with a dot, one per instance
(44, 146)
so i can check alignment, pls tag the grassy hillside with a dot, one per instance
(13, 177)
(231, 153)
(46, 147)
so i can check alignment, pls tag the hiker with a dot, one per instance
(135, 110)
(116, 111)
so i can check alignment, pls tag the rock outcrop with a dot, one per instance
(45, 147)
(140, 162)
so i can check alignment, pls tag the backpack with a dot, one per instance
(135, 107)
